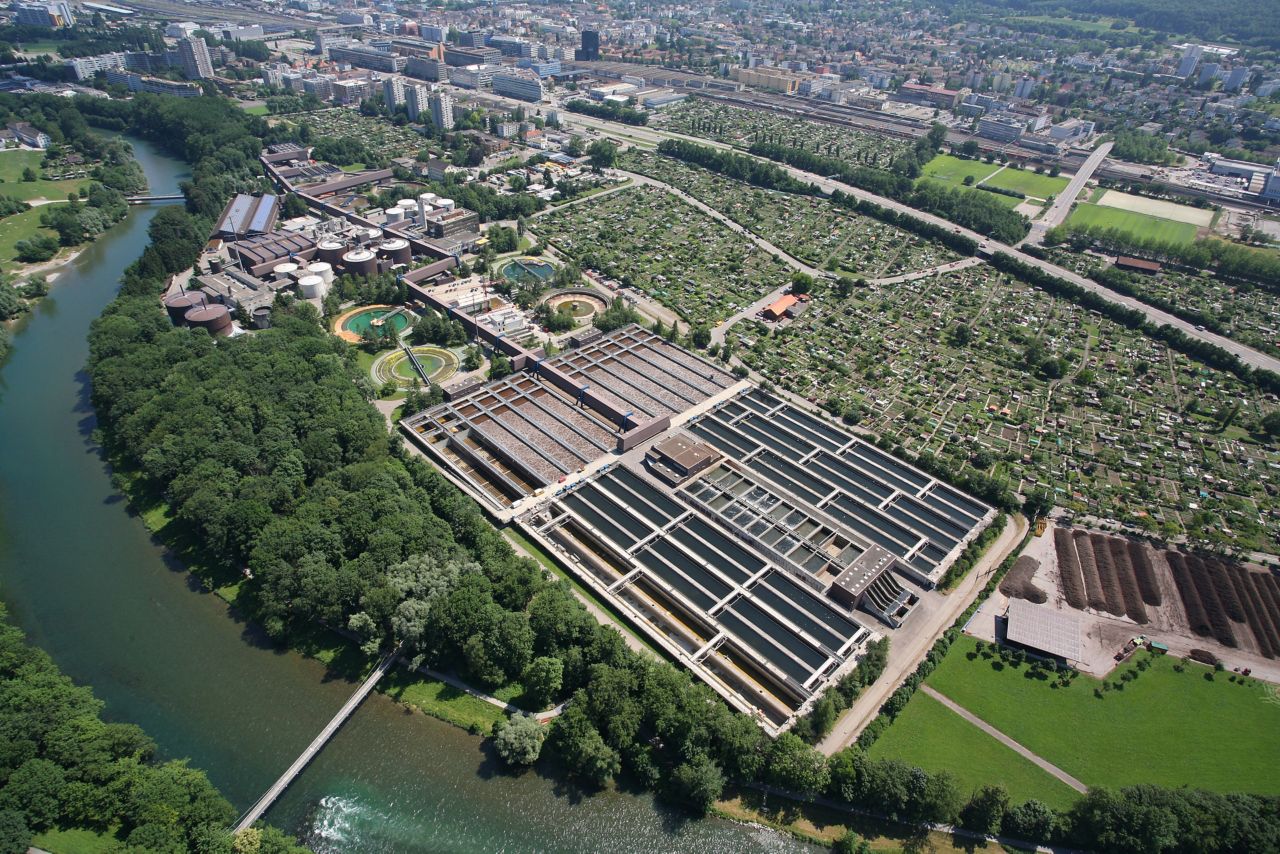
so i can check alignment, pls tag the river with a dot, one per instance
(85, 581)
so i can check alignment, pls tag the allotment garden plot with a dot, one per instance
(741, 127)
(1247, 313)
(648, 239)
(379, 136)
(1037, 392)
(810, 228)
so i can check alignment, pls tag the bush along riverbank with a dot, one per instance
(268, 449)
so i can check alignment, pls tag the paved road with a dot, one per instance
(1057, 213)
(908, 648)
(1004, 739)
(1246, 354)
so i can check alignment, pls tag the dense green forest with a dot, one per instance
(1251, 22)
(62, 766)
(267, 449)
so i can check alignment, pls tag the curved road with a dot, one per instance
(1247, 355)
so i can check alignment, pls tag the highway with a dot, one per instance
(1247, 355)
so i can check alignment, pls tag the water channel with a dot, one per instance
(87, 584)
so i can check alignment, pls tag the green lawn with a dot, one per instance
(1140, 225)
(952, 170)
(256, 110)
(14, 161)
(1165, 727)
(75, 841)
(1027, 182)
(441, 701)
(19, 227)
(933, 737)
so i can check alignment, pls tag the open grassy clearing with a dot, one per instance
(1165, 727)
(1043, 395)
(14, 161)
(1137, 224)
(440, 700)
(20, 226)
(950, 170)
(1027, 182)
(76, 840)
(1157, 208)
(647, 238)
(933, 737)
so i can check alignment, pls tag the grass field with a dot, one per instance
(12, 163)
(441, 701)
(1165, 727)
(1156, 207)
(256, 110)
(19, 227)
(933, 737)
(952, 170)
(1029, 183)
(1140, 225)
(75, 840)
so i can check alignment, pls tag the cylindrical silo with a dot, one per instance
(360, 262)
(312, 287)
(216, 319)
(262, 317)
(396, 250)
(323, 269)
(178, 305)
(330, 251)
(283, 272)
(406, 207)
(445, 204)
(373, 235)
(395, 216)
(426, 204)
(215, 265)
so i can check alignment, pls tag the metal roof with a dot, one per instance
(1045, 629)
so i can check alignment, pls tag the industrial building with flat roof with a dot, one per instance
(745, 535)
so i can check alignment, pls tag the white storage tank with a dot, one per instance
(323, 269)
(282, 272)
(406, 206)
(373, 234)
(395, 216)
(312, 287)
(360, 262)
(446, 204)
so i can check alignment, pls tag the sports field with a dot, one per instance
(952, 170)
(1165, 727)
(1027, 182)
(1137, 224)
(933, 737)
(21, 226)
(1156, 207)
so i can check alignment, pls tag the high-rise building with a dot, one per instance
(415, 101)
(1024, 87)
(393, 92)
(1190, 59)
(590, 50)
(1208, 72)
(193, 54)
(1236, 79)
(52, 15)
(441, 110)
(521, 85)
(433, 33)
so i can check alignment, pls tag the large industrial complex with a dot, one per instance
(755, 542)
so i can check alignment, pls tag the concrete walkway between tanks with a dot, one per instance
(1004, 739)
(907, 650)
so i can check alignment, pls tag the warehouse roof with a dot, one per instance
(1044, 629)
